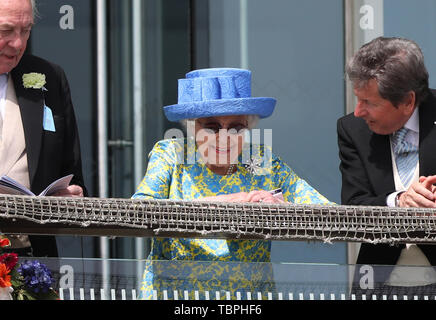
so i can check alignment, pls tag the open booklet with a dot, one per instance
(12, 187)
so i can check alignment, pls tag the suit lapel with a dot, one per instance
(380, 159)
(427, 137)
(31, 102)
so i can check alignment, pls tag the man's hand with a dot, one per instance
(72, 191)
(421, 194)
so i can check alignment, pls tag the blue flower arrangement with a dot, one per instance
(28, 280)
(37, 276)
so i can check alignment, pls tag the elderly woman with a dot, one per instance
(215, 163)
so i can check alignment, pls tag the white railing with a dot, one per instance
(126, 294)
(97, 294)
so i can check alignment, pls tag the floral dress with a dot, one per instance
(212, 268)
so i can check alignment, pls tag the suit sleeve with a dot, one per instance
(71, 162)
(356, 187)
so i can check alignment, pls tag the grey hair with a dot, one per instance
(397, 64)
(252, 119)
(34, 9)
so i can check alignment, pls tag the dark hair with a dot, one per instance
(396, 64)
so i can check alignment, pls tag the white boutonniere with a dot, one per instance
(34, 81)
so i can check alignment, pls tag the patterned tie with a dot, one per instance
(406, 156)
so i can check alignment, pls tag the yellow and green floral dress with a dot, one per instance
(212, 268)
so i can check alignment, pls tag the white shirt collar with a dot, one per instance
(413, 125)
(413, 122)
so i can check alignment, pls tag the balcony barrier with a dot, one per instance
(117, 280)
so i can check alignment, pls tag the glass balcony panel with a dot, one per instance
(82, 279)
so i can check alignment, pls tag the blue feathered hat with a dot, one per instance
(217, 92)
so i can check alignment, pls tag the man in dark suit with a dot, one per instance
(39, 139)
(395, 108)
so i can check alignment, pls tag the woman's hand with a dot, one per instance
(253, 196)
(263, 196)
(234, 197)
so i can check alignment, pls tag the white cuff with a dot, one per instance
(390, 200)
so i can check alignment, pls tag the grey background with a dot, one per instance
(415, 20)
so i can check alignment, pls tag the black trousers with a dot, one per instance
(42, 246)
(22, 252)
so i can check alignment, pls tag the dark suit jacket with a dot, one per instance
(51, 155)
(367, 175)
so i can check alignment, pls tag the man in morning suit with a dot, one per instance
(39, 140)
(388, 154)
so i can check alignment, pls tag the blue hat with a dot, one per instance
(217, 92)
